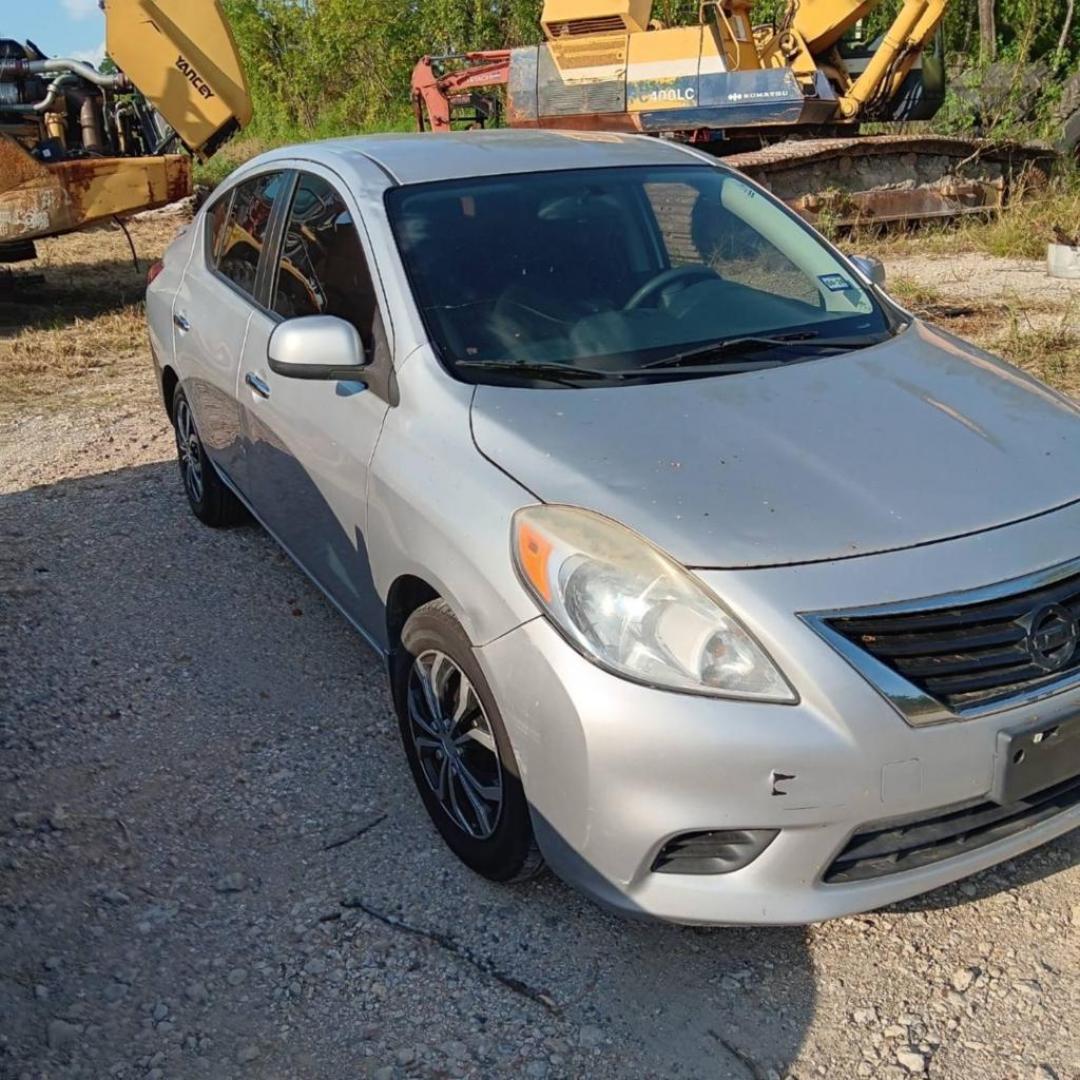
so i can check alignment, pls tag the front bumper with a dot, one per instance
(613, 770)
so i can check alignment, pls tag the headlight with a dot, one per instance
(635, 611)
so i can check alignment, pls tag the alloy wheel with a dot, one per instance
(187, 446)
(455, 744)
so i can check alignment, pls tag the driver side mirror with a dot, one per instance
(872, 269)
(316, 347)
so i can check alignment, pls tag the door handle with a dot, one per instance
(258, 385)
(180, 322)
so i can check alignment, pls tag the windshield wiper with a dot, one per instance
(696, 357)
(753, 343)
(561, 373)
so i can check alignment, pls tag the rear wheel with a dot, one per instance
(458, 749)
(211, 501)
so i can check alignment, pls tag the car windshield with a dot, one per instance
(604, 275)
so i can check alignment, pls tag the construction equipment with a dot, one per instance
(78, 145)
(782, 102)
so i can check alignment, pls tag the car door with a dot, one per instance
(213, 307)
(311, 441)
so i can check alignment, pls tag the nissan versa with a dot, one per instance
(703, 571)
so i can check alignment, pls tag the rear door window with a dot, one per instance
(236, 254)
(323, 269)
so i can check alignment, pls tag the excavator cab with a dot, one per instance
(608, 66)
(78, 144)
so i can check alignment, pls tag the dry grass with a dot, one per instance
(1051, 352)
(84, 319)
(1040, 335)
(915, 295)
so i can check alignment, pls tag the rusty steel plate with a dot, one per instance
(38, 200)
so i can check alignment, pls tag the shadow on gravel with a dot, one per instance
(196, 753)
(69, 292)
(213, 861)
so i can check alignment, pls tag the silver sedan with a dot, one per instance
(703, 572)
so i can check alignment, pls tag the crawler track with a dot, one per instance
(864, 179)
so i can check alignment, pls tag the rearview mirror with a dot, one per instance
(872, 269)
(316, 347)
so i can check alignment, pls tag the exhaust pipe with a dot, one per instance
(19, 69)
(89, 102)
(47, 102)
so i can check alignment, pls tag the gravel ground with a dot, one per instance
(974, 276)
(213, 862)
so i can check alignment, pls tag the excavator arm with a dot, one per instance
(813, 27)
(437, 92)
(910, 33)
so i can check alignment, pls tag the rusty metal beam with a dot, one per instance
(38, 200)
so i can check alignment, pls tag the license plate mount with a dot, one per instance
(1035, 758)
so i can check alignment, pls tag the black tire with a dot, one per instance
(210, 500)
(508, 852)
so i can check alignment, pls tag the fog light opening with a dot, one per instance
(712, 851)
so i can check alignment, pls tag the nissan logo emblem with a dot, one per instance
(1052, 636)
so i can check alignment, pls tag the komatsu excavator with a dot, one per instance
(78, 145)
(782, 102)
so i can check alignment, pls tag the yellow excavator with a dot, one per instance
(79, 145)
(785, 102)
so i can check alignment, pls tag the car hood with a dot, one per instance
(918, 439)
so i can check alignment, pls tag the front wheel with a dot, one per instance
(458, 749)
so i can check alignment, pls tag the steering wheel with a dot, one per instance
(684, 274)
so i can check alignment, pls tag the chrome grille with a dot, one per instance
(969, 652)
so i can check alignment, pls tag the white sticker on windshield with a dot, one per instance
(835, 282)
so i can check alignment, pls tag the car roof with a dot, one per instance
(418, 158)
